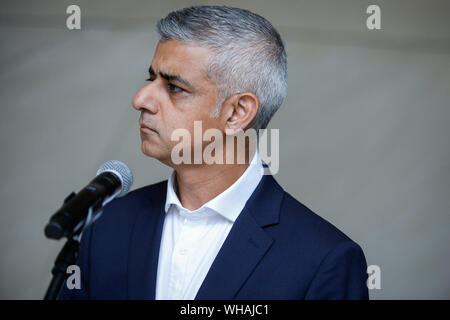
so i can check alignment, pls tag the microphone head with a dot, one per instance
(121, 170)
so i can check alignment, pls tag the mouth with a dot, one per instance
(147, 129)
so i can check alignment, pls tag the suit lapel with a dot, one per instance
(246, 244)
(144, 246)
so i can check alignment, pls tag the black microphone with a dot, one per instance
(114, 179)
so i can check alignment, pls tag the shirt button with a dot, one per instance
(183, 251)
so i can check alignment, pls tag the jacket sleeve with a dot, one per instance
(83, 264)
(342, 274)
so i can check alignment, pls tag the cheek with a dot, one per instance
(179, 120)
(181, 130)
(193, 117)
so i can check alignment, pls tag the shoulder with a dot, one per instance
(150, 191)
(122, 212)
(308, 230)
(141, 196)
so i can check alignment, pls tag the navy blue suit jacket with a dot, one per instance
(276, 249)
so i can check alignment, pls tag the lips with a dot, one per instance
(146, 128)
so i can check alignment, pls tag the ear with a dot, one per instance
(241, 111)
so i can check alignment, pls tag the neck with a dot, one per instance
(197, 184)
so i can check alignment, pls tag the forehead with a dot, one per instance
(188, 61)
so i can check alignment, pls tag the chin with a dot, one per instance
(153, 151)
(149, 149)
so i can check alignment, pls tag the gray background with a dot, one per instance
(364, 129)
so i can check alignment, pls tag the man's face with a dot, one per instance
(178, 93)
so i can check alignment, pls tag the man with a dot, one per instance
(214, 230)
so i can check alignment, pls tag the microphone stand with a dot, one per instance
(67, 256)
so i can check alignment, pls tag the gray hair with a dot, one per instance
(248, 53)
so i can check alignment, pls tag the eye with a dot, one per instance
(173, 88)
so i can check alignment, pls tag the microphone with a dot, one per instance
(114, 179)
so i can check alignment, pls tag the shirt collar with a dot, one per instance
(230, 202)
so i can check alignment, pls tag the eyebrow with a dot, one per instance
(170, 77)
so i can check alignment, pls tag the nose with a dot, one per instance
(145, 100)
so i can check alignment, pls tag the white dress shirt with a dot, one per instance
(191, 239)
